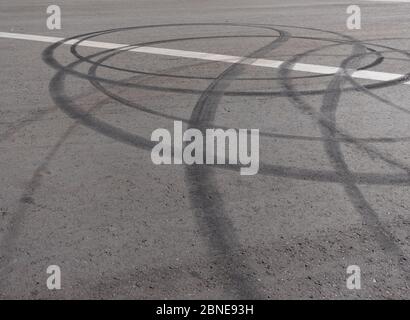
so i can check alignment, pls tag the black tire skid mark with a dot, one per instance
(68, 106)
(22, 123)
(7, 244)
(32, 117)
(379, 98)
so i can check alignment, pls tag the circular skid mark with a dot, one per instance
(57, 91)
(209, 99)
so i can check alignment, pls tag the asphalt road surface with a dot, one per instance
(79, 189)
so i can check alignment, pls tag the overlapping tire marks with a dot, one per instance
(96, 81)
(7, 244)
(195, 91)
(327, 122)
(370, 219)
(8, 240)
(201, 181)
(215, 224)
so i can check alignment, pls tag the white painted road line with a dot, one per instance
(275, 64)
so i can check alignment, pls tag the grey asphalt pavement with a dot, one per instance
(79, 190)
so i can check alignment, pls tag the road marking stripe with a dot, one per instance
(302, 67)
